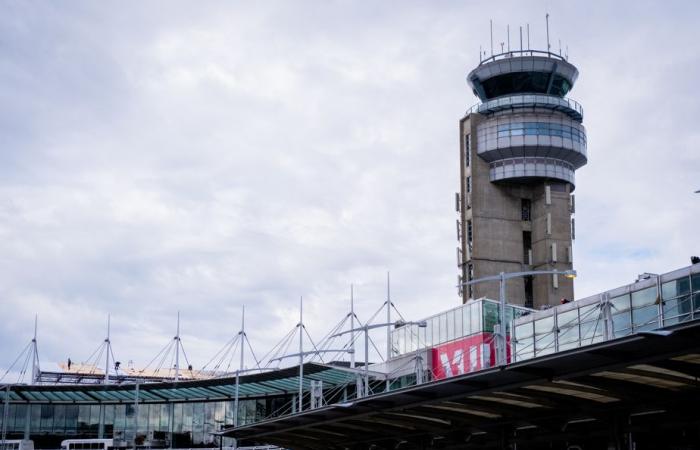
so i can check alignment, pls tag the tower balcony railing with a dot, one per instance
(521, 53)
(566, 105)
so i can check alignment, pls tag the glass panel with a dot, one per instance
(178, 418)
(459, 332)
(476, 326)
(490, 312)
(622, 324)
(677, 310)
(46, 418)
(644, 297)
(436, 330)
(621, 303)
(646, 318)
(695, 282)
(35, 423)
(71, 419)
(466, 320)
(443, 328)
(450, 321)
(675, 288)
(544, 335)
(59, 419)
(429, 333)
(568, 329)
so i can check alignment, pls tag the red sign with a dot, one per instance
(468, 354)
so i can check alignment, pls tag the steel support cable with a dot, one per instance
(166, 353)
(157, 355)
(312, 343)
(331, 338)
(90, 358)
(185, 355)
(286, 349)
(354, 336)
(252, 352)
(171, 353)
(239, 342)
(97, 358)
(275, 347)
(324, 340)
(223, 351)
(282, 346)
(375, 314)
(23, 371)
(375, 347)
(114, 360)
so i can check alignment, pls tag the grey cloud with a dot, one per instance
(161, 157)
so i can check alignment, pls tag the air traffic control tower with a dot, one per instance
(519, 150)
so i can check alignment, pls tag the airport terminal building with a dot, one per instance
(455, 343)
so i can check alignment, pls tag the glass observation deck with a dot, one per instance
(521, 72)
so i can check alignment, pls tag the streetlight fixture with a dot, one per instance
(501, 278)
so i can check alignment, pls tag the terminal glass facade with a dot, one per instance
(188, 424)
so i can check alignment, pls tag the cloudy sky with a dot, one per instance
(199, 156)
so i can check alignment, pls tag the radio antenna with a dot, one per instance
(547, 20)
(521, 39)
(528, 36)
(508, 33)
(491, 22)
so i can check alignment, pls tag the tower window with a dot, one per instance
(527, 247)
(525, 208)
(467, 151)
(469, 184)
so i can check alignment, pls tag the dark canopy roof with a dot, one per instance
(575, 391)
(273, 383)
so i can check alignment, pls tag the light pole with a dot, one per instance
(501, 278)
(365, 329)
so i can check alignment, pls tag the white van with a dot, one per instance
(87, 444)
(17, 444)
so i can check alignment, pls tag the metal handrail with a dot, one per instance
(525, 100)
(513, 53)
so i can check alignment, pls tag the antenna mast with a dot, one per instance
(491, 22)
(547, 20)
(352, 327)
(35, 353)
(301, 352)
(177, 350)
(388, 316)
(107, 348)
(241, 341)
(508, 33)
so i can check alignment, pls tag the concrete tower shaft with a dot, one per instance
(519, 150)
